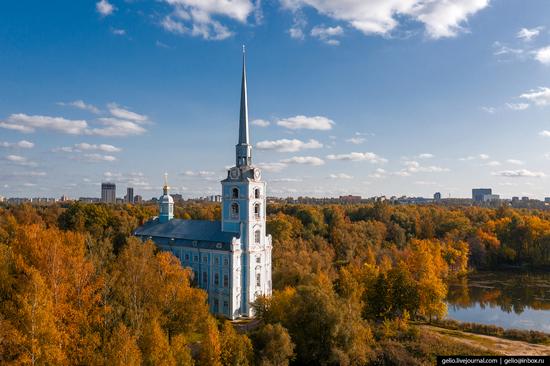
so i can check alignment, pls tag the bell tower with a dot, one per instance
(244, 213)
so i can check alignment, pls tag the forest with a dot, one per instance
(350, 284)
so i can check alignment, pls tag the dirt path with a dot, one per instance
(504, 346)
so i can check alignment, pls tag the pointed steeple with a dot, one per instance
(165, 188)
(243, 148)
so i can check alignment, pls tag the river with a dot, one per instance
(507, 299)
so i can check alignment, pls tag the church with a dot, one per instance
(231, 258)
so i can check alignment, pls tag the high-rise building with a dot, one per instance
(108, 192)
(437, 196)
(138, 198)
(478, 193)
(231, 258)
(129, 195)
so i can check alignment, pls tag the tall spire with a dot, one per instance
(243, 148)
(165, 187)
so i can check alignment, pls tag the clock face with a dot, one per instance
(234, 173)
(257, 174)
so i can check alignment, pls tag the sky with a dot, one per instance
(363, 97)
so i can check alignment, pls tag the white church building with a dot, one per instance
(231, 258)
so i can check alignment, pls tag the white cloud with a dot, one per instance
(307, 160)
(544, 133)
(542, 55)
(521, 173)
(515, 162)
(415, 167)
(260, 123)
(475, 157)
(84, 146)
(201, 173)
(356, 140)
(20, 160)
(126, 114)
(517, 106)
(196, 18)
(425, 183)
(99, 157)
(308, 123)
(527, 35)
(298, 25)
(286, 145)
(286, 180)
(327, 34)
(23, 144)
(378, 174)
(441, 18)
(340, 176)
(540, 96)
(115, 127)
(25, 123)
(493, 163)
(358, 156)
(272, 167)
(80, 104)
(104, 8)
(118, 31)
(490, 110)
(425, 156)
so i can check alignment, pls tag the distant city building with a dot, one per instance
(515, 199)
(525, 198)
(546, 199)
(138, 199)
(108, 192)
(478, 193)
(215, 198)
(2, 199)
(491, 197)
(88, 199)
(177, 197)
(64, 198)
(350, 199)
(129, 195)
(437, 196)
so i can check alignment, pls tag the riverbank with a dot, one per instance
(491, 344)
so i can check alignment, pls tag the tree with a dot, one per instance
(236, 349)
(122, 348)
(273, 345)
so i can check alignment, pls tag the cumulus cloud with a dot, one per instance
(25, 123)
(126, 114)
(272, 167)
(415, 167)
(104, 8)
(542, 55)
(114, 127)
(475, 157)
(305, 160)
(358, 156)
(80, 104)
(95, 157)
(356, 140)
(514, 162)
(200, 173)
(544, 133)
(23, 144)
(540, 96)
(260, 123)
(308, 123)
(20, 160)
(517, 106)
(84, 146)
(521, 173)
(196, 18)
(340, 176)
(327, 34)
(440, 18)
(286, 145)
(527, 34)
(425, 156)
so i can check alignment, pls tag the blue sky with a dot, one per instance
(369, 97)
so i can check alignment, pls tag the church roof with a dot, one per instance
(200, 230)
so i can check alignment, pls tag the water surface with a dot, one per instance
(508, 299)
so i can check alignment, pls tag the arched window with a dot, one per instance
(257, 193)
(257, 210)
(257, 235)
(234, 209)
(235, 193)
